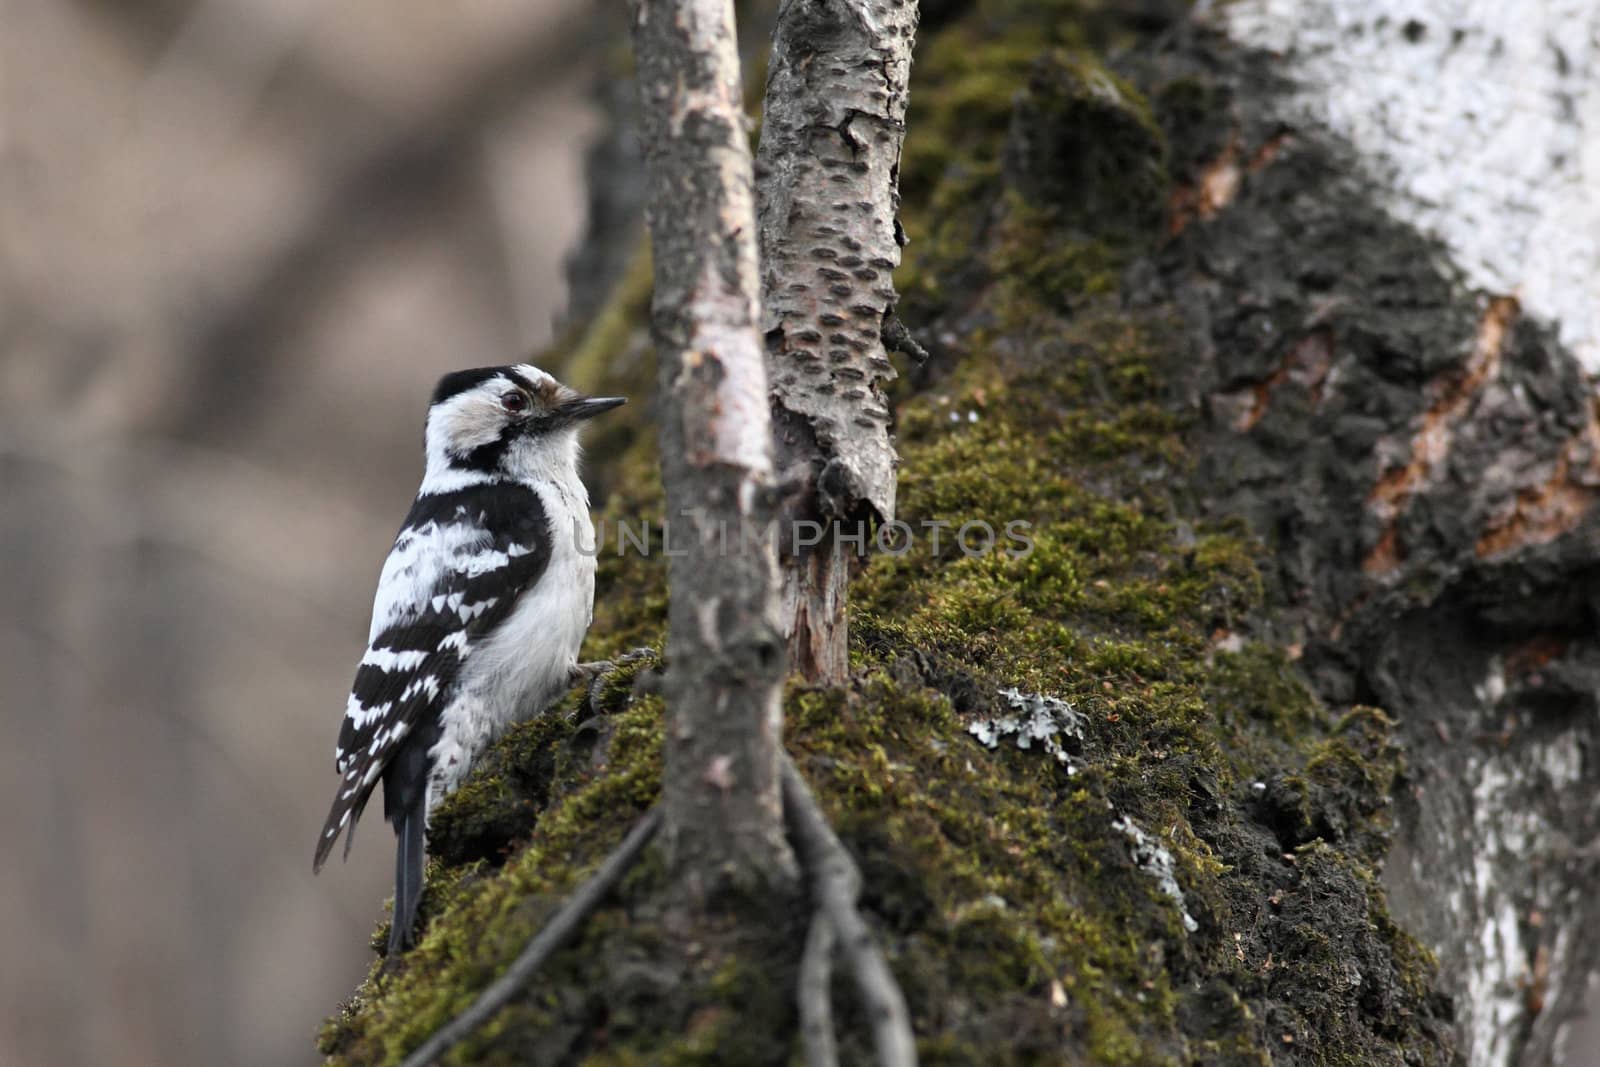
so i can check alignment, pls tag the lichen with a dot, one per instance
(1030, 718)
(1155, 860)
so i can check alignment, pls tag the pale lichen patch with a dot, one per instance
(1033, 717)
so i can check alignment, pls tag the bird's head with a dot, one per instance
(516, 422)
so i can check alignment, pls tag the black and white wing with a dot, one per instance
(456, 570)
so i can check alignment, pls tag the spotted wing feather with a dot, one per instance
(459, 564)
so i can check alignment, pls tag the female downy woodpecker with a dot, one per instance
(480, 609)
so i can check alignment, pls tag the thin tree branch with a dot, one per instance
(835, 884)
(562, 925)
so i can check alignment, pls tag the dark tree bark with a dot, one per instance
(828, 184)
(723, 814)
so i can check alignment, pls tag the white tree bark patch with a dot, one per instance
(1480, 120)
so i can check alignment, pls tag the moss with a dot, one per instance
(1003, 883)
(630, 607)
(1085, 142)
(512, 785)
(1350, 777)
(1047, 157)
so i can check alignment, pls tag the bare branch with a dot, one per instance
(562, 925)
(835, 884)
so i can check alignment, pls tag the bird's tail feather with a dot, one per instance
(408, 866)
(348, 804)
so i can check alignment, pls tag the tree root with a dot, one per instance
(816, 1001)
(562, 925)
(836, 924)
(835, 884)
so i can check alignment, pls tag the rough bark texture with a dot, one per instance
(720, 791)
(1307, 622)
(828, 181)
(1425, 458)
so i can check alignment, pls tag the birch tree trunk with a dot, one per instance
(1472, 615)
(723, 814)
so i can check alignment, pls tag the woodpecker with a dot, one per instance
(480, 610)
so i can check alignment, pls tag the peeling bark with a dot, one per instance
(721, 803)
(1452, 399)
(828, 169)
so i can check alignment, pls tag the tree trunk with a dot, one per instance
(723, 814)
(1422, 443)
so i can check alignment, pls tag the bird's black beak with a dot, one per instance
(589, 406)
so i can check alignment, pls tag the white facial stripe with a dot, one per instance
(466, 421)
(476, 418)
(534, 374)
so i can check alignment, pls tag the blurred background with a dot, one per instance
(239, 240)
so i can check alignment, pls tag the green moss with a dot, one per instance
(1046, 157)
(495, 806)
(630, 607)
(609, 769)
(1084, 143)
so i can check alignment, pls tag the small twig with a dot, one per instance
(835, 883)
(897, 338)
(562, 925)
(816, 1008)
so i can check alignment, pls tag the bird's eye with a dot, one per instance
(514, 402)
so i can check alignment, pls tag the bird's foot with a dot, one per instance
(588, 672)
(595, 672)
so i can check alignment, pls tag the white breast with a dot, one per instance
(524, 665)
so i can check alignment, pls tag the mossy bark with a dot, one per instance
(1177, 340)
